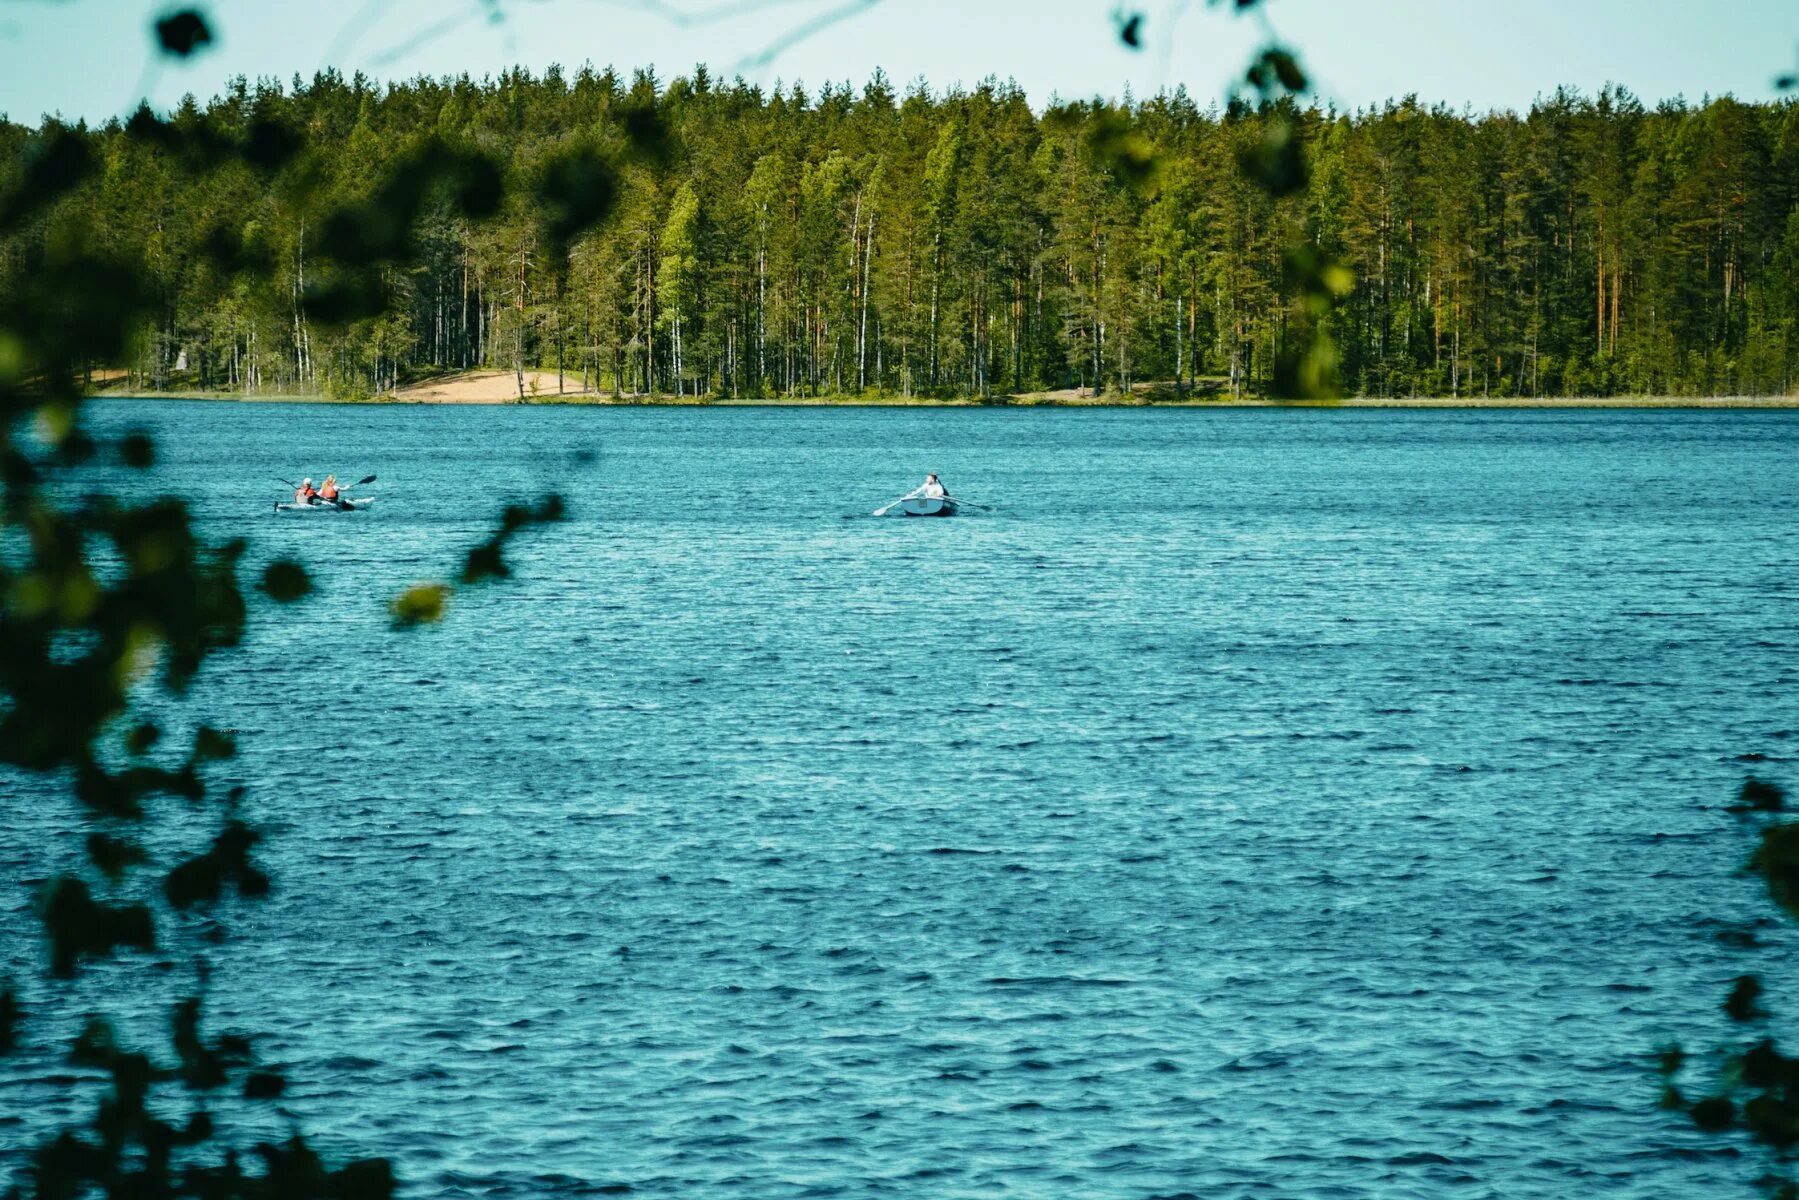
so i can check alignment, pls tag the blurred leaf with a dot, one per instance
(1116, 143)
(182, 33)
(1308, 369)
(264, 1085)
(364, 1179)
(647, 133)
(55, 162)
(142, 738)
(96, 1045)
(420, 605)
(270, 144)
(1274, 160)
(1714, 1113)
(1315, 278)
(11, 1017)
(79, 927)
(202, 1066)
(1776, 860)
(1760, 796)
(201, 880)
(575, 192)
(1275, 70)
(286, 581)
(355, 298)
(113, 856)
(212, 745)
(137, 450)
(480, 188)
(1744, 1001)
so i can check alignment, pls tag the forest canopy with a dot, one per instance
(963, 243)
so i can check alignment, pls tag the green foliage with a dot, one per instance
(1755, 1093)
(643, 237)
(107, 604)
(421, 604)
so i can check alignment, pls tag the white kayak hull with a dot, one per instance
(342, 506)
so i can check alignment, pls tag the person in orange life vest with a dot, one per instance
(306, 493)
(328, 490)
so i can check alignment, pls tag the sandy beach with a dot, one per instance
(541, 387)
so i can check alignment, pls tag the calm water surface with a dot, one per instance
(1254, 803)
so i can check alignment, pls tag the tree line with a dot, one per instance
(876, 241)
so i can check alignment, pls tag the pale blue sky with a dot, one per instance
(91, 58)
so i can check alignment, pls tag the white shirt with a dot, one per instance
(932, 490)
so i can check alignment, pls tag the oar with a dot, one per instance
(365, 479)
(959, 502)
(882, 511)
(342, 500)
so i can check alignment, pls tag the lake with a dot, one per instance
(1253, 802)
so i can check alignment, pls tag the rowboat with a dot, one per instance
(932, 506)
(326, 506)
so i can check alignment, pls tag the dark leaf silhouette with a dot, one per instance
(1760, 796)
(10, 1017)
(286, 581)
(575, 192)
(1744, 1001)
(182, 33)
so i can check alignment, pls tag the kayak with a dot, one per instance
(321, 506)
(928, 507)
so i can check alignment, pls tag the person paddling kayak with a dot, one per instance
(331, 497)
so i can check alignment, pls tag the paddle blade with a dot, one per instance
(360, 482)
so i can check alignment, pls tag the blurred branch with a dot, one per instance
(680, 16)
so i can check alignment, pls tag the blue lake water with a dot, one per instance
(1285, 803)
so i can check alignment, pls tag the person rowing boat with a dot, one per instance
(931, 499)
(305, 493)
(932, 489)
(328, 490)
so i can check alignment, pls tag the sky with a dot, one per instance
(92, 58)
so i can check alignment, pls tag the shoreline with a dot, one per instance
(590, 400)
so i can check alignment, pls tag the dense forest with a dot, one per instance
(961, 243)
